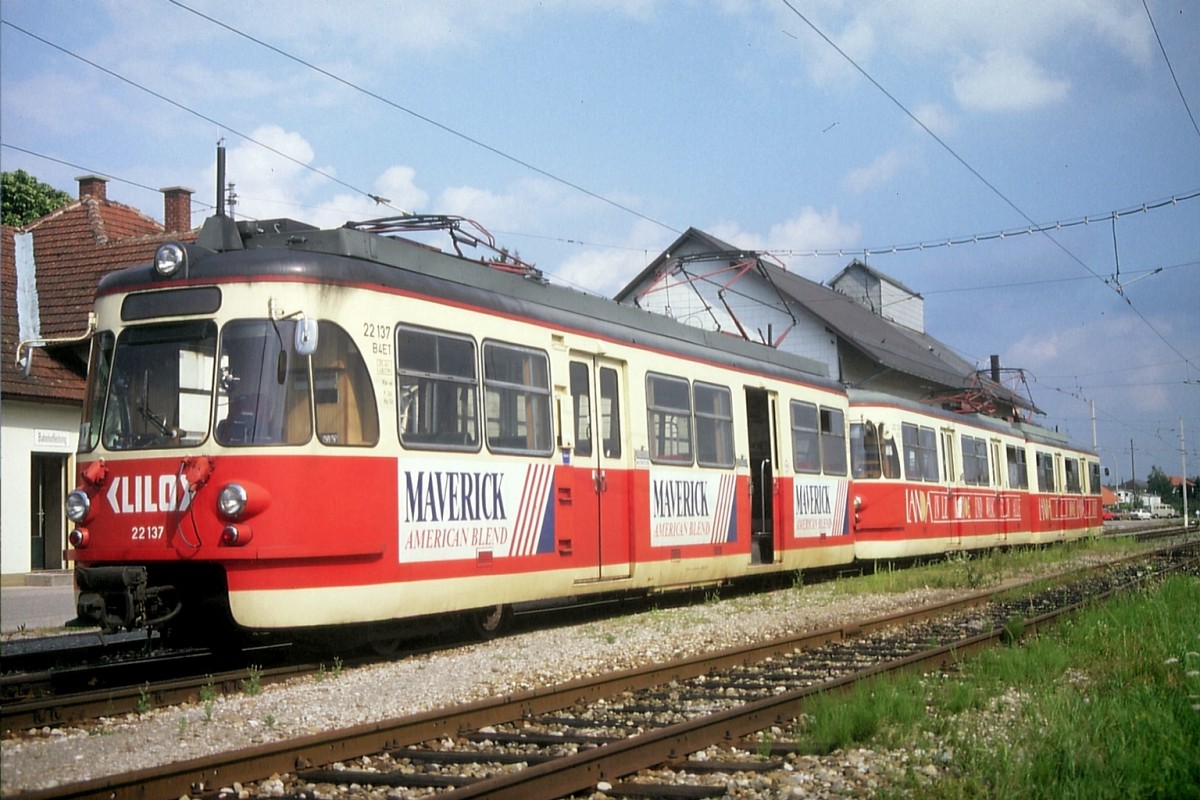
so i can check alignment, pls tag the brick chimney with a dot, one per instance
(93, 185)
(177, 209)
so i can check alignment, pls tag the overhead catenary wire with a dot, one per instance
(158, 95)
(428, 120)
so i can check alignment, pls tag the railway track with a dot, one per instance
(572, 737)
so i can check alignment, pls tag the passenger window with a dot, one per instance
(1045, 472)
(669, 416)
(437, 390)
(1018, 474)
(975, 461)
(516, 386)
(806, 454)
(920, 452)
(1074, 483)
(714, 425)
(833, 441)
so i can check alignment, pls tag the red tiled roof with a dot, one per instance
(73, 248)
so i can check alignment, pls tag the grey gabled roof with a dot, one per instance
(884, 342)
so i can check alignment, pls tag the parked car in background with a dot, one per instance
(1164, 512)
(1142, 513)
(1108, 514)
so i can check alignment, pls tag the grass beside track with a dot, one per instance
(1106, 705)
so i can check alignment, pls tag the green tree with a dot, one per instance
(25, 198)
(1159, 483)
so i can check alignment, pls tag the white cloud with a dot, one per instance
(809, 230)
(1006, 81)
(876, 174)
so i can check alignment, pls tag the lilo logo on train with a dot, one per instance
(448, 513)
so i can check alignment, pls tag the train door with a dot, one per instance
(597, 397)
(761, 413)
(999, 514)
(953, 477)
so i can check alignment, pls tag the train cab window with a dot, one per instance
(833, 441)
(263, 395)
(516, 400)
(437, 390)
(714, 425)
(1074, 478)
(920, 452)
(1045, 472)
(806, 437)
(873, 451)
(669, 416)
(345, 398)
(1018, 473)
(159, 394)
(975, 461)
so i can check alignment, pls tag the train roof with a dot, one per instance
(1026, 430)
(285, 248)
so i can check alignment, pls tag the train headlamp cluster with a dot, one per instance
(232, 500)
(170, 259)
(78, 506)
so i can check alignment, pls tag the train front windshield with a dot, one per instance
(163, 386)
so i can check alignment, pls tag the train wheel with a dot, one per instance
(488, 623)
(384, 641)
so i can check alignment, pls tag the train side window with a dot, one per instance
(516, 399)
(806, 438)
(920, 452)
(1018, 473)
(1094, 474)
(833, 441)
(437, 390)
(581, 407)
(669, 416)
(714, 425)
(610, 412)
(975, 461)
(345, 397)
(1045, 472)
(1074, 482)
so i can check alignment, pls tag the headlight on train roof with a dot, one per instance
(170, 259)
(232, 500)
(78, 506)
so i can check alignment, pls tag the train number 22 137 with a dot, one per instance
(145, 533)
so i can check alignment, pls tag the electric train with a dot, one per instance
(288, 428)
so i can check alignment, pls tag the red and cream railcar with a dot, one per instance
(289, 428)
(929, 481)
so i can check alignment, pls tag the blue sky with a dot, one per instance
(586, 135)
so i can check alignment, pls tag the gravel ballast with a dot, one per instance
(46, 758)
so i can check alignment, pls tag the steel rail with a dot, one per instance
(253, 763)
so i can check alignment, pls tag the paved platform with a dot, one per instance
(46, 601)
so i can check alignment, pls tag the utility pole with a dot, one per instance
(1184, 479)
(1132, 470)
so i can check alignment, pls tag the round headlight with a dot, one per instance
(78, 506)
(232, 500)
(169, 259)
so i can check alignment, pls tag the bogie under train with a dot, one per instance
(289, 428)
